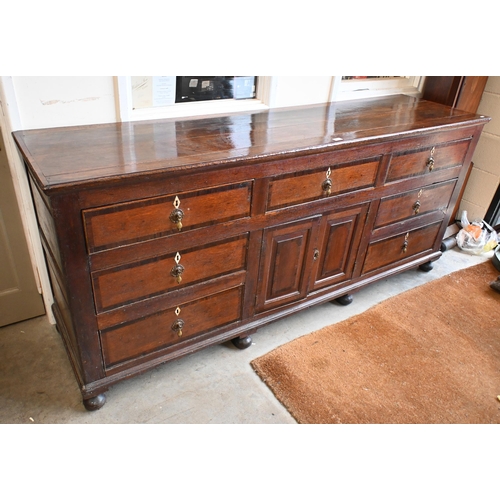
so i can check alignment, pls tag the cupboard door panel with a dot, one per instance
(285, 263)
(340, 237)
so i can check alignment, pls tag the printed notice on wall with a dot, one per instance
(163, 90)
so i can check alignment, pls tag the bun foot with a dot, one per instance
(95, 403)
(428, 266)
(496, 285)
(344, 300)
(242, 343)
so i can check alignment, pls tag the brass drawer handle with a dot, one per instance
(416, 207)
(177, 327)
(326, 185)
(430, 162)
(176, 217)
(177, 214)
(177, 271)
(405, 244)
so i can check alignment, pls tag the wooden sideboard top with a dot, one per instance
(61, 158)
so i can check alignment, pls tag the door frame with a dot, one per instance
(9, 122)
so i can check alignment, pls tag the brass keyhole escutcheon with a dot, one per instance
(178, 269)
(326, 185)
(316, 254)
(177, 327)
(177, 214)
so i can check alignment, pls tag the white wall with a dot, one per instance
(485, 174)
(298, 90)
(55, 101)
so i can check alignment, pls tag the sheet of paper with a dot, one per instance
(163, 90)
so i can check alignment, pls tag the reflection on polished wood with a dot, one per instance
(87, 154)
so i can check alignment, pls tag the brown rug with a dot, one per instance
(428, 355)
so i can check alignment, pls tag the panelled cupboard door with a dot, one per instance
(340, 236)
(308, 255)
(286, 261)
(19, 297)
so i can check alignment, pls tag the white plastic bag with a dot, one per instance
(476, 237)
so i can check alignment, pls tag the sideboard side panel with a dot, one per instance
(71, 237)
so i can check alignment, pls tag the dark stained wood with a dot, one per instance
(92, 154)
(294, 189)
(344, 300)
(419, 162)
(435, 197)
(443, 89)
(95, 403)
(340, 235)
(77, 285)
(471, 93)
(154, 277)
(426, 267)
(242, 342)
(461, 92)
(157, 331)
(286, 262)
(136, 283)
(137, 310)
(125, 223)
(400, 246)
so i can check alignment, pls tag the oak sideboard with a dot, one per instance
(164, 237)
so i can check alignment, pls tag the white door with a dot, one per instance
(19, 297)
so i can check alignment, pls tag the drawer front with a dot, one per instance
(412, 163)
(171, 326)
(304, 187)
(414, 203)
(399, 247)
(126, 223)
(125, 284)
